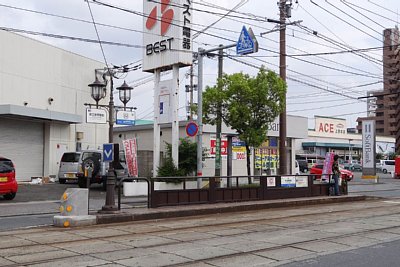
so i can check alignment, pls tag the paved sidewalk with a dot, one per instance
(139, 214)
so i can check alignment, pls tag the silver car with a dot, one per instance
(69, 167)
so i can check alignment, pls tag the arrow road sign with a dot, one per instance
(247, 43)
(108, 154)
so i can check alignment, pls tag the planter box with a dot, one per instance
(172, 186)
(135, 189)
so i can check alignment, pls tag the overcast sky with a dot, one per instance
(327, 84)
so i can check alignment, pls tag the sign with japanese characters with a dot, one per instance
(167, 34)
(94, 115)
(130, 149)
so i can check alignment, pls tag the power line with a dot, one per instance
(362, 23)
(98, 37)
(355, 10)
(348, 23)
(369, 11)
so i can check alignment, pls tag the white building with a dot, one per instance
(330, 135)
(42, 114)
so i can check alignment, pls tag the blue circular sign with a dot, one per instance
(192, 129)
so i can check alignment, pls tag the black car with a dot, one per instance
(303, 166)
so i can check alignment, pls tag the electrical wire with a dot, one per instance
(98, 36)
(358, 12)
(348, 23)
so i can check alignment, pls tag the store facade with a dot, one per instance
(330, 135)
(263, 159)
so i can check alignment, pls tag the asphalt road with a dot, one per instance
(36, 204)
(385, 254)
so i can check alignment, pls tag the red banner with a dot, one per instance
(130, 148)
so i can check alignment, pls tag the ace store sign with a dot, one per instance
(167, 36)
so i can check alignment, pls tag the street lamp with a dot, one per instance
(98, 91)
(124, 93)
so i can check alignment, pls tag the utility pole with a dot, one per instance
(191, 92)
(284, 11)
(219, 117)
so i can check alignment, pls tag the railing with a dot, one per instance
(214, 190)
(131, 179)
(231, 189)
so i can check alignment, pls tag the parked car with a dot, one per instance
(386, 166)
(93, 159)
(317, 169)
(69, 167)
(303, 165)
(352, 166)
(8, 183)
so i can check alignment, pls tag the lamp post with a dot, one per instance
(124, 93)
(98, 91)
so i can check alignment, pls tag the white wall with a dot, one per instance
(33, 72)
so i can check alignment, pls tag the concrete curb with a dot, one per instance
(186, 211)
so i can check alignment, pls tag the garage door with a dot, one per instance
(22, 142)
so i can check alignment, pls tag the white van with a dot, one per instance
(387, 166)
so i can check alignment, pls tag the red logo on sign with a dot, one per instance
(166, 17)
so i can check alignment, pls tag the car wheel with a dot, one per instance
(10, 196)
(384, 171)
(92, 162)
(82, 182)
(61, 181)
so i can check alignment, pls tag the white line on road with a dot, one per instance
(392, 202)
(29, 202)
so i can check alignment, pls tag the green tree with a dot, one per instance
(187, 160)
(249, 105)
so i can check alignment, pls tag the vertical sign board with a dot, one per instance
(130, 148)
(368, 148)
(108, 152)
(164, 100)
(167, 34)
(327, 169)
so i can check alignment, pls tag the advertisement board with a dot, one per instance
(327, 169)
(368, 147)
(165, 101)
(125, 117)
(288, 181)
(301, 181)
(167, 34)
(330, 126)
(130, 148)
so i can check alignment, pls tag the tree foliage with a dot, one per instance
(187, 160)
(249, 105)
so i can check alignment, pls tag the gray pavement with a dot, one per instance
(270, 237)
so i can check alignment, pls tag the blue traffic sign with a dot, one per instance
(108, 152)
(192, 129)
(246, 44)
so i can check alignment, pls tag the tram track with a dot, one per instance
(273, 222)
